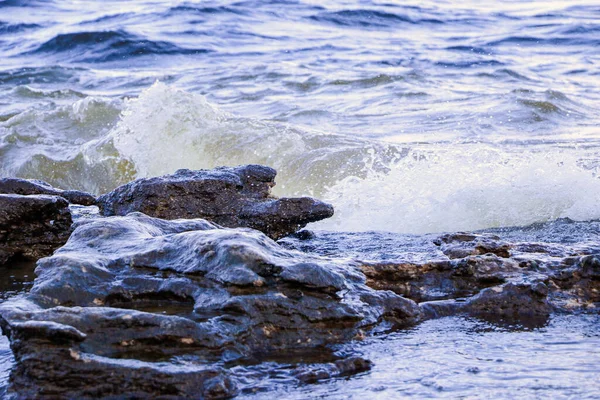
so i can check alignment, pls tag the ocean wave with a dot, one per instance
(369, 18)
(468, 187)
(8, 28)
(96, 144)
(65, 145)
(416, 189)
(166, 129)
(108, 46)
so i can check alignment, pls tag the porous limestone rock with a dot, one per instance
(139, 306)
(32, 227)
(230, 197)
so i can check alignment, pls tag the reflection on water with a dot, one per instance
(457, 357)
(15, 278)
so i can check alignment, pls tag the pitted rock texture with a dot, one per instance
(231, 197)
(129, 300)
(32, 227)
(462, 244)
(34, 186)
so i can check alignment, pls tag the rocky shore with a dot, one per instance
(175, 283)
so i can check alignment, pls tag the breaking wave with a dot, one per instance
(408, 188)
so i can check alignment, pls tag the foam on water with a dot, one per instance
(166, 129)
(467, 187)
(374, 186)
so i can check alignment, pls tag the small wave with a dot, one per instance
(548, 41)
(64, 145)
(545, 107)
(25, 3)
(378, 80)
(469, 63)
(470, 49)
(108, 46)
(578, 29)
(368, 18)
(32, 93)
(38, 75)
(106, 18)
(187, 9)
(6, 27)
(505, 73)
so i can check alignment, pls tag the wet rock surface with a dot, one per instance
(33, 226)
(231, 197)
(510, 281)
(139, 306)
(150, 301)
(32, 186)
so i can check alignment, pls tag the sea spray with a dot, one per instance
(399, 187)
(440, 188)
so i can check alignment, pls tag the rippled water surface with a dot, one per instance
(463, 358)
(411, 117)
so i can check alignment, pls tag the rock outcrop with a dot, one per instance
(33, 186)
(231, 197)
(32, 227)
(139, 306)
(490, 278)
(172, 306)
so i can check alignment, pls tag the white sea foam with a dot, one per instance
(466, 188)
(166, 129)
(373, 186)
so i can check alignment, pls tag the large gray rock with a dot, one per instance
(33, 186)
(231, 197)
(32, 227)
(129, 300)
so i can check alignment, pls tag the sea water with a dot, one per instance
(410, 117)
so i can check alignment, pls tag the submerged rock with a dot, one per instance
(344, 367)
(32, 227)
(511, 302)
(33, 186)
(138, 306)
(231, 197)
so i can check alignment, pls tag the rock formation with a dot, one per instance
(128, 301)
(32, 227)
(32, 186)
(231, 197)
(173, 306)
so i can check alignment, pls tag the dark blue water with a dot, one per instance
(410, 117)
